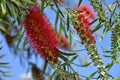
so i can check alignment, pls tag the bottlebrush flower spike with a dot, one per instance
(81, 19)
(41, 36)
(84, 18)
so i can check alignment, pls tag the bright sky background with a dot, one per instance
(18, 70)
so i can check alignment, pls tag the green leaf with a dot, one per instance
(44, 68)
(101, 16)
(65, 32)
(105, 50)
(63, 58)
(15, 2)
(94, 21)
(56, 20)
(104, 33)
(60, 30)
(71, 61)
(85, 65)
(107, 56)
(79, 2)
(11, 26)
(70, 38)
(97, 27)
(51, 76)
(28, 1)
(2, 28)
(58, 76)
(42, 7)
(0, 48)
(91, 76)
(4, 66)
(109, 66)
(24, 44)
(3, 6)
(113, 7)
(13, 12)
(68, 54)
(68, 22)
(59, 9)
(21, 36)
(3, 63)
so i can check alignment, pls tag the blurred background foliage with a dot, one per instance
(12, 15)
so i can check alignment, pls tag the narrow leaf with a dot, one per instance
(18, 43)
(56, 20)
(79, 2)
(73, 58)
(3, 6)
(42, 7)
(68, 22)
(28, 1)
(4, 66)
(63, 58)
(24, 44)
(59, 9)
(68, 54)
(3, 63)
(85, 65)
(13, 12)
(70, 38)
(44, 68)
(51, 76)
(91, 76)
(2, 29)
(60, 30)
(104, 33)
(94, 21)
(97, 27)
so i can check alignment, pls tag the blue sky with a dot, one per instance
(17, 69)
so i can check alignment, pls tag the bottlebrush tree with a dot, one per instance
(58, 37)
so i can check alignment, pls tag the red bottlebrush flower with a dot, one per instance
(88, 33)
(85, 16)
(80, 17)
(92, 38)
(88, 10)
(87, 26)
(87, 20)
(84, 31)
(41, 36)
(81, 24)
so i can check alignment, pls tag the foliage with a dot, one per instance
(70, 23)
(4, 66)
